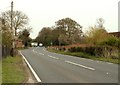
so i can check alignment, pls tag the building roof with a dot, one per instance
(117, 34)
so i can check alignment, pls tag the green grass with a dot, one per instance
(22, 48)
(13, 70)
(0, 71)
(84, 55)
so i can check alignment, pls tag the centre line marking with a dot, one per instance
(53, 57)
(41, 53)
(43, 49)
(79, 65)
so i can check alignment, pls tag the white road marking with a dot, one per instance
(107, 73)
(43, 49)
(53, 57)
(34, 73)
(109, 63)
(91, 60)
(79, 65)
(41, 53)
(98, 61)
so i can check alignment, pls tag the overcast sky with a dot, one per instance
(44, 13)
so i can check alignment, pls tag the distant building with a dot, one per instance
(19, 43)
(117, 34)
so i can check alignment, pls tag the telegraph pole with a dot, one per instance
(13, 43)
(11, 15)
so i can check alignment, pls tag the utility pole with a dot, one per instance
(13, 42)
(11, 15)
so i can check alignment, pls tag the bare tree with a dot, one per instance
(19, 20)
(100, 22)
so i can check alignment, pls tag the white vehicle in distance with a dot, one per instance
(34, 44)
(40, 44)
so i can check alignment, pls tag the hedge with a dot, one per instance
(104, 51)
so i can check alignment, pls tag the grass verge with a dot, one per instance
(0, 71)
(13, 70)
(84, 55)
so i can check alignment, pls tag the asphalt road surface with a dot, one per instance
(58, 68)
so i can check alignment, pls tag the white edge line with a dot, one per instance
(34, 73)
(80, 65)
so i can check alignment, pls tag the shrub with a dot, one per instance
(105, 51)
(72, 49)
(79, 49)
(111, 41)
(90, 50)
(98, 51)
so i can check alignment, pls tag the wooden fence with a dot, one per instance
(6, 51)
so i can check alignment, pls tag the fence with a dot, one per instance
(6, 51)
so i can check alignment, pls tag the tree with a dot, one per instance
(100, 22)
(66, 31)
(6, 36)
(96, 35)
(55, 36)
(44, 36)
(19, 20)
(70, 29)
(0, 31)
(24, 36)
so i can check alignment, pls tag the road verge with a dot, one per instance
(31, 69)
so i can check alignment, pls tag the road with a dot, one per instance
(58, 68)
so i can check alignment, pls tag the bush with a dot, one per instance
(90, 50)
(105, 51)
(72, 49)
(111, 41)
(80, 49)
(76, 49)
(98, 51)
